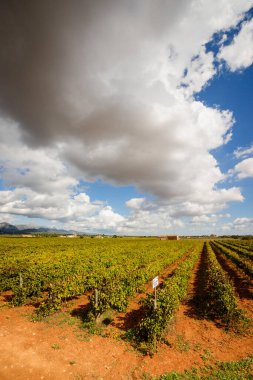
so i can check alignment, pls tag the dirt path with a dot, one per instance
(40, 351)
(59, 349)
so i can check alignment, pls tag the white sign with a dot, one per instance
(155, 282)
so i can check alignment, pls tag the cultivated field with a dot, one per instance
(85, 308)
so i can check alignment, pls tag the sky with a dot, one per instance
(127, 117)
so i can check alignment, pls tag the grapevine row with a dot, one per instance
(220, 301)
(246, 244)
(242, 263)
(238, 249)
(155, 320)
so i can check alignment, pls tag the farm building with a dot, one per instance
(169, 237)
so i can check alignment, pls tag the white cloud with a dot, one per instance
(204, 219)
(243, 152)
(208, 219)
(163, 217)
(239, 54)
(241, 221)
(158, 156)
(199, 72)
(63, 210)
(149, 218)
(244, 169)
(135, 203)
(41, 186)
(242, 226)
(224, 215)
(38, 169)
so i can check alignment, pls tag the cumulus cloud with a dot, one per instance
(66, 209)
(162, 216)
(208, 219)
(104, 90)
(199, 72)
(239, 54)
(204, 219)
(244, 169)
(135, 203)
(36, 169)
(239, 225)
(149, 217)
(241, 221)
(159, 156)
(40, 186)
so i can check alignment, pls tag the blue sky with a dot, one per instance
(127, 117)
(233, 91)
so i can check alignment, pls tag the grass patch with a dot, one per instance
(105, 318)
(58, 319)
(97, 325)
(234, 370)
(55, 346)
(181, 344)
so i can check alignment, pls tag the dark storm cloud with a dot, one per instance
(44, 42)
(32, 57)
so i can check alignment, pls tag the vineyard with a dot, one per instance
(115, 277)
(53, 270)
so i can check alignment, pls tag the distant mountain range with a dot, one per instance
(6, 228)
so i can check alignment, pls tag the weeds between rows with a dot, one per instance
(233, 370)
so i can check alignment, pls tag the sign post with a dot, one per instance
(155, 283)
(20, 280)
(96, 297)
